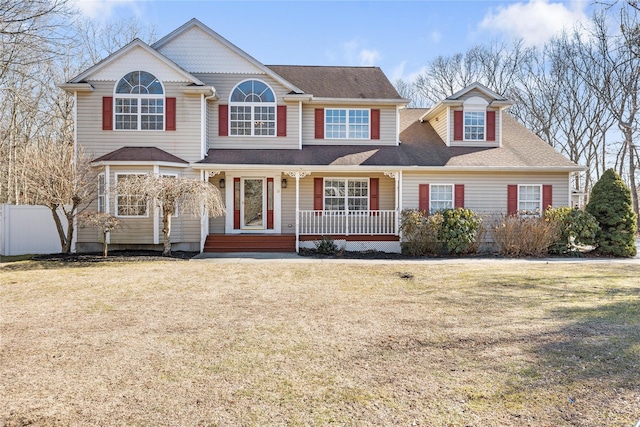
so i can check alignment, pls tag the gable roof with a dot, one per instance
(339, 82)
(140, 155)
(137, 43)
(421, 148)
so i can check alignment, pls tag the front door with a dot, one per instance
(253, 212)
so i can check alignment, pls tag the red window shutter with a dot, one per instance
(459, 196)
(375, 124)
(374, 199)
(457, 126)
(107, 113)
(171, 114)
(318, 194)
(423, 197)
(223, 120)
(270, 203)
(282, 120)
(236, 203)
(319, 122)
(512, 199)
(491, 125)
(547, 196)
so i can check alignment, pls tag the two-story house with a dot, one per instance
(298, 152)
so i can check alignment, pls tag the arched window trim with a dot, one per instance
(118, 112)
(252, 105)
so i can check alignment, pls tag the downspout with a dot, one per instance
(74, 238)
(299, 126)
(203, 220)
(107, 196)
(297, 212)
(156, 213)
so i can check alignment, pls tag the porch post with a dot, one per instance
(297, 175)
(398, 200)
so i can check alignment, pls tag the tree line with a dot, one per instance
(578, 92)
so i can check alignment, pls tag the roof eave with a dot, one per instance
(139, 163)
(377, 168)
(359, 101)
(76, 87)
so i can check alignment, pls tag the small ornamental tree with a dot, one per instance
(106, 222)
(188, 197)
(610, 203)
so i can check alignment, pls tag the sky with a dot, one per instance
(401, 37)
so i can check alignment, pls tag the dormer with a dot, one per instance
(471, 117)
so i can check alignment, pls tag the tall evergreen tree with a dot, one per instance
(610, 203)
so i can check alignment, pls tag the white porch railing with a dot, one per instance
(348, 222)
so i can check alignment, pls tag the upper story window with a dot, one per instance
(474, 125)
(252, 110)
(346, 123)
(139, 102)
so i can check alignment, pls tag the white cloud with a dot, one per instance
(101, 9)
(369, 57)
(535, 21)
(354, 53)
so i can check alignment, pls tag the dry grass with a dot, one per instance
(175, 343)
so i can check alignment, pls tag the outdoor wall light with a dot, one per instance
(221, 183)
(284, 183)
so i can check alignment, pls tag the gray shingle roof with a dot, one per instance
(421, 147)
(339, 82)
(140, 154)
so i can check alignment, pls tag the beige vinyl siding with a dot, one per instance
(439, 124)
(474, 143)
(386, 189)
(184, 142)
(388, 130)
(224, 84)
(484, 192)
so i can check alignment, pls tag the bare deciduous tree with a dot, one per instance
(189, 197)
(63, 180)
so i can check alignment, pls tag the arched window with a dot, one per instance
(139, 102)
(252, 109)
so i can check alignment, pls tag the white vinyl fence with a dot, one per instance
(26, 229)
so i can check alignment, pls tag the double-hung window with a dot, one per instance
(130, 205)
(474, 125)
(252, 110)
(441, 197)
(139, 102)
(346, 194)
(530, 199)
(347, 123)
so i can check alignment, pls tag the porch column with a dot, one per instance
(297, 175)
(204, 218)
(396, 177)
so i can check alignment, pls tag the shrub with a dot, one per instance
(461, 231)
(518, 236)
(576, 228)
(420, 232)
(326, 246)
(610, 203)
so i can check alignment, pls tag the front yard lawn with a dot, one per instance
(178, 343)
